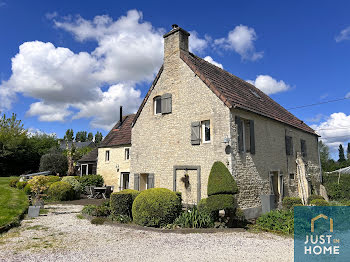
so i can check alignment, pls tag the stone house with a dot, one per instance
(196, 113)
(113, 161)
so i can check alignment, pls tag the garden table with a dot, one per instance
(99, 191)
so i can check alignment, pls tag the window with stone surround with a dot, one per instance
(107, 156)
(127, 153)
(303, 147)
(246, 135)
(206, 131)
(157, 102)
(289, 145)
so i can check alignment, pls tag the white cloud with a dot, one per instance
(241, 39)
(105, 112)
(197, 44)
(335, 130)
(343, 35)
(49, 112)
(211, 60)
(269, 85)
(317, 118)
(128, 48)
(347, 95)
(32, 131)
(51, 15)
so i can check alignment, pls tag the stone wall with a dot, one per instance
(108, 170)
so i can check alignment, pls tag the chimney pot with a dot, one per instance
(174, 26)
(121, 116)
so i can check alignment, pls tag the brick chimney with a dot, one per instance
(174, 41)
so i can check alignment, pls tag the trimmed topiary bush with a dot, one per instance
(312, 197)
(75, 185)
(221, 181)
(61, 191)
(121, 202)
(91, 180)
(21, 185)
(219, 202)
(13, 182)
(289, 202)
(156, 207)
(319, 202)
(28, 189)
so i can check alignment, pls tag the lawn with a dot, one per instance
(13, 202)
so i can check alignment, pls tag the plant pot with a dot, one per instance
(33, 211)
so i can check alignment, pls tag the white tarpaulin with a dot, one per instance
(345, 170)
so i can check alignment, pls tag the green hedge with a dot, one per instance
(312, 197)
(61, 191)
(337, 192)
(281, 221)
(219, 202)
(319, 202)
(156, 207)
(121, 202)
(221, 181)
(28, 189)
(91, 180)
(289, 202)
(21, 185)
(13, 182)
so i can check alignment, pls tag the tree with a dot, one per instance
(90, 137)
(81, 136)
(341, 153)
(54, 162)
(324, 153)
(69, 135)
(348, 152)
(98, 137)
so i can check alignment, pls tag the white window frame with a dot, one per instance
(81, 169)
(203, 124)
(127, 153)
(107, 154)
(155, 105)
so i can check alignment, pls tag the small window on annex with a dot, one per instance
(107, 156)
(206, 131)
(157, 103)
(127, 153)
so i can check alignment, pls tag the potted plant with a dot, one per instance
(39, 185)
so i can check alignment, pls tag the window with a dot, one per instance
(246, 135)
(206, 131)
(124, 183)
(143, 181)
(107, 156)
(162, 104)
(127, 153)
(86, 169)
(289, 145)
(291, 176)
(303, 147)
(157, 105)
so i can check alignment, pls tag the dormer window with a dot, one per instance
(157, 105)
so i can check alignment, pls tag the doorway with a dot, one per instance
(276, 186)
(124, 181)
(143, 182)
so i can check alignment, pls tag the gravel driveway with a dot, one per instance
(61, 236)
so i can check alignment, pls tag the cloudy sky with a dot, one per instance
(71, 64)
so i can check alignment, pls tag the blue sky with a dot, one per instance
(80, 60)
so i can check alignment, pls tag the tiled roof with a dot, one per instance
(237, 93)
(90, 157)
(119, 135)
(76, 144)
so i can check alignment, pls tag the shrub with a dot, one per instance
(219, 202)
(281, 221)
(39, 184)
(319, 202)
(239, 219)
(55, 162)
(312, 197)
(75, 185)
(221, 181)
(61, 191)
(28, 189)
(121, 218)
(289, 202)
(53, 179)
(91, 180)
(156, 207)
(21, 185)
(193, 218)
(13, 182)
(337, 191)
(98, 221)
(89, 210)
(121, 202)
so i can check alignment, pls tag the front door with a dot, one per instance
(125, 181)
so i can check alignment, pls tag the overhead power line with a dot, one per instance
(320, 103)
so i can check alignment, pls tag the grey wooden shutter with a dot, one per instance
(150, 180)
(252, 137)
(195, 133)
(166, 103)
(137, 181)
(238, 122)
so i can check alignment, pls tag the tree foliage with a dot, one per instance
(69, 136)
(98, 137)
(55, 162)
(81, 136)
(341, 153)
(90, 137)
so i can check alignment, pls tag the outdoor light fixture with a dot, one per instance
(117, 167)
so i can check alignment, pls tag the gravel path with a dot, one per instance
(61, 236)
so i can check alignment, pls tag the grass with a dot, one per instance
(13, 203)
